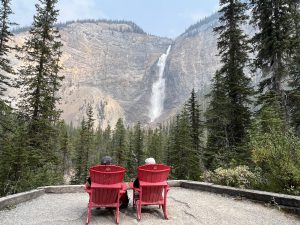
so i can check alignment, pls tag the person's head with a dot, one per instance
(106, 160)
(150, 161)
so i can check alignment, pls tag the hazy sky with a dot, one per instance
(159, 17)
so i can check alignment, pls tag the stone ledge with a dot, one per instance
(63, 189)
(287, 201)
(19, 198)
(175, 183)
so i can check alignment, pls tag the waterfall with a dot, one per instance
(158, 89)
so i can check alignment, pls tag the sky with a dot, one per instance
(167, 18)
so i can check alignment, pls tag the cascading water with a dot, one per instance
(158, 89)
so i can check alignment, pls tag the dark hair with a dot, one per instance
(106, 160)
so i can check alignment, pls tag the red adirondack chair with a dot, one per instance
(106, 188)
(153, 188)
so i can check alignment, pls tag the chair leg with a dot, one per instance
(88, 215)
(165, 211)
(165, 204)
(138, 210)
(117, 215)
(133, 200)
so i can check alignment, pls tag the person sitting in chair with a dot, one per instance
(148, 161)
(124, 200)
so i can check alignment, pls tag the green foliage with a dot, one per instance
(274, 43)
(184, 144)
(5, 48)
(228, 115)
(240, 177)
(217, 122)
(84, 147)
(119, 143)
(294, 92)
(138, 144)
(155, 143)
(276, 152)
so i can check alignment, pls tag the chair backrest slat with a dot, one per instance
(106, 175)
(153, 173)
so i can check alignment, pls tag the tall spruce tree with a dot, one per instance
(40, 81)
(181, 147)
(84, 147)
(5, 48)
(107, 141)
(138, 145)
(294, 93)
(119, 143)
(131, 163)
(233, 49)
(5, 66)
(272, 44)
(217, 122)
(193, 109)
(80, 160)
(154, 143)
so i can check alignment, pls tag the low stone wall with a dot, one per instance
(63, 189)
(289, 202)
(19, 198)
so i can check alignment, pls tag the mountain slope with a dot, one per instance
(113, 64)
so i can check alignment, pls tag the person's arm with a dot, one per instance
(88, 183)
(136, 183)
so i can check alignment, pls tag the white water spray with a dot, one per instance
(158, 89)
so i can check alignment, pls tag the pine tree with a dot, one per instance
(64, 148)
(232, 89)
(217, 124)
(98, 146)
(84, 147)
(5, 48)
(107, 141)
(154, 144)
(13, 158)
(89, 137)
(138, 144)
(193, 109)
(272, 43)
(5, 66)
(80, 162)
(40, 81)
(131, 163)
(294, 93)
(119, 143)
(181, 148)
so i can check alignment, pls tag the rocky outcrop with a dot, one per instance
(112, 66)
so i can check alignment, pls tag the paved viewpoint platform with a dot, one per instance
(185, 206)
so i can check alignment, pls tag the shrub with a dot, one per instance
(277, 152)
(239, 176)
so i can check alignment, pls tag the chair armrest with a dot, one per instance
(124, 187)
(87, 189)
(133, 188)
(131, 185)
(167, 188)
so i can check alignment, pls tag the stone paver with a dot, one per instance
(185, 207)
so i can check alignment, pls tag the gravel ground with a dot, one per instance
(185, 207)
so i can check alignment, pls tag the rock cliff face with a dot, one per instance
(192, 63)
(113, 66)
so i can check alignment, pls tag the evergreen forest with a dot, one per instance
(248, 137)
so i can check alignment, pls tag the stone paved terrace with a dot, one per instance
(185, 206)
